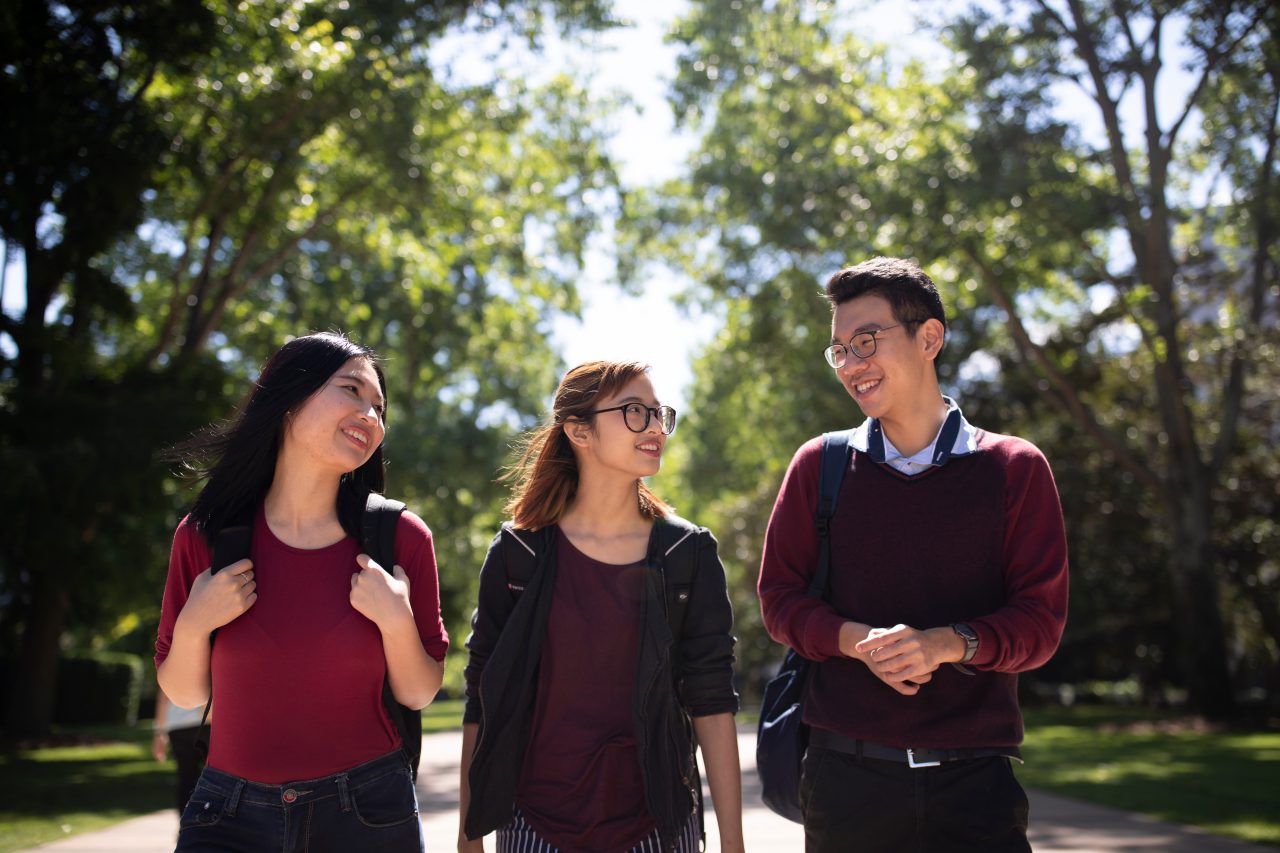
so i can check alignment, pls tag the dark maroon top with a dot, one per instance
(580, 787)
(978, 540)
(297, 678)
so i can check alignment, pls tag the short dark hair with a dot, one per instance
(908, 289)
(237, 459)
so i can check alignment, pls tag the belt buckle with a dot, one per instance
(911, 761)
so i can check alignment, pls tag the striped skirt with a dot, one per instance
(519, 837)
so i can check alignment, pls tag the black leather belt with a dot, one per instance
(910, 757)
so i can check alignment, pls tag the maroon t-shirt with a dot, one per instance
(297, 678)
(581, 787)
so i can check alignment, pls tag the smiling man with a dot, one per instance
(948, 578)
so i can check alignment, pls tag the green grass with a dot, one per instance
(49, 793)
(1169, 768)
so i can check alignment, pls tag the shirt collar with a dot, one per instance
(956, 437)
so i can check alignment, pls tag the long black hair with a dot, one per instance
(238, 457)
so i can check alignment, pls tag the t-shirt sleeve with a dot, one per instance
(416, 554)
(189, 556)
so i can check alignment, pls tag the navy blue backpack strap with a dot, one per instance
(781, 736)
(835, 461)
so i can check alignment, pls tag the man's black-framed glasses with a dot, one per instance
(863, 345)
(637, 416)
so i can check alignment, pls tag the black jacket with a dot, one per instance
(502, 676)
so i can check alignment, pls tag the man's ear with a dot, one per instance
(932, 336)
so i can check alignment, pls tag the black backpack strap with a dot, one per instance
(835, 461)
(232, 542)
(230, 546)
(378, 525)
(520, 551)
(678, 550)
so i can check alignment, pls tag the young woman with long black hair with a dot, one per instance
(585, 698)
(304, 755)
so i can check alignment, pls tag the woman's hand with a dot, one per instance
(466, 845)
(159, 745)
(382, 598)
(218, 599)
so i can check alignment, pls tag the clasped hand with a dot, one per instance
(902, 657)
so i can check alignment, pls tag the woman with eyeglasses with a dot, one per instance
(600, 651)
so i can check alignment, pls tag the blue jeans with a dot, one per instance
(369, 807)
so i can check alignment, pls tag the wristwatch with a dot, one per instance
(970, 638)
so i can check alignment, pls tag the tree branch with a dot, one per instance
(1212, 60)
(1265, 231)
(1066, 395)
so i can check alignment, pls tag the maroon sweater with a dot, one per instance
(978, 540)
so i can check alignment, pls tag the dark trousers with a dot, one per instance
(182, 744)
(872, 805)
(370, 807)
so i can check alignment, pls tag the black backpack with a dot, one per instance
(378, 539)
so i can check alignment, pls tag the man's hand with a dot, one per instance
(906, 656)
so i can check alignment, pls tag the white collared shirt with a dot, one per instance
(958, 436)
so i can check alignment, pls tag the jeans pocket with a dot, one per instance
(205, 808)
(388, 800)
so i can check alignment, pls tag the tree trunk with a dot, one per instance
(30, 709)
(1201, 634)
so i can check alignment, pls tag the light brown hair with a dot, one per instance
(546, 474)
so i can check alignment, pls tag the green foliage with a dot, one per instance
(273, 168)
(1101, 297)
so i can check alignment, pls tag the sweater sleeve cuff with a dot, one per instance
(986, 654)
(822, 635)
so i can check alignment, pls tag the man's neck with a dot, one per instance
(917, 429)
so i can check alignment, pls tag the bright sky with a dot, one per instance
(614, 325)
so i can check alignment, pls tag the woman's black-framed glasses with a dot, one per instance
(637, 416)
(863, 345)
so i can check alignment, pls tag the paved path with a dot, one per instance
(1057, 825)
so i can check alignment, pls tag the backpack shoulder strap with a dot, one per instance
(835, 461)
(229, 546)
(378, 524)
(233, 540)
(520, 552)
(678, 550)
